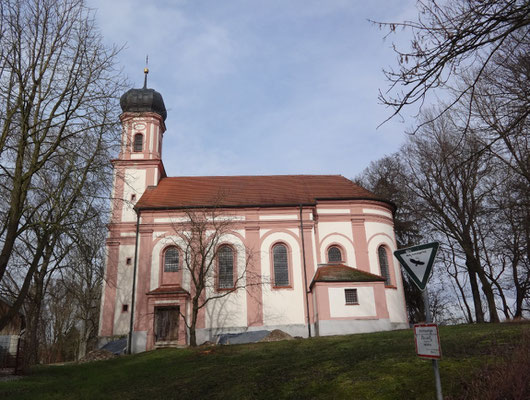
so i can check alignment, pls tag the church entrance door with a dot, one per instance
(166, 324)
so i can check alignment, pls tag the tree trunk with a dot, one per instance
(474, 265)
(467, 312)
(17, 305)
(83, 335)
(505, 308)
(488, 292)
(193, 325)
(31, 351)
(477, 302)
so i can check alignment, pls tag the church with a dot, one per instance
(311, 255)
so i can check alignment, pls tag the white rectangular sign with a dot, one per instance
(427, 341)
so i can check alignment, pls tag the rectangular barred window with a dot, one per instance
(351, 296)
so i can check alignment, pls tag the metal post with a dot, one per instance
(305, 274)
(131, 321)
(435, 368)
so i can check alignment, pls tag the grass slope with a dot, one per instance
(366, 366)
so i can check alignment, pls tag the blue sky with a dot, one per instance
(263, 87)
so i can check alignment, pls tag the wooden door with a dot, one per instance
(166, 323)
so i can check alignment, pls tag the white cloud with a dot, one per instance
(265, 86)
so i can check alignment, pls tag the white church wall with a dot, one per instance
(344, 242)
(378, 233)
(396, 306)
(347, 327)
(280, 217)
(382, 234)
(377, 212)
(339, 309)
(134, 183)
(342, 227)
(275, 312)
(231, 310)
(123, 290)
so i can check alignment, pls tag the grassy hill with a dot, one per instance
(478, 361)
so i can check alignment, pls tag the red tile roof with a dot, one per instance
(249, 191)
(343, 273)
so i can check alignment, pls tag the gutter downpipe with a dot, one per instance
(129, 339)
(305, 273)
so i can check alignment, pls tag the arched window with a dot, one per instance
(334, 254)
(138, 142)
(281, 268)
(171, 260)
(225, 257)
(383, 264)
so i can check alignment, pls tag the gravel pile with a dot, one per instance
(97, 355)
(277, 335)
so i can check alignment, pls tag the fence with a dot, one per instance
(11, 352)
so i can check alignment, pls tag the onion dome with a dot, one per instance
(143, 100)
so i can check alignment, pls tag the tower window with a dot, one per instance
(138, 142)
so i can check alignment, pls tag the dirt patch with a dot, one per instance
(276, 336)
(97, 355)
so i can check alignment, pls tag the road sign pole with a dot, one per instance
(435, 368)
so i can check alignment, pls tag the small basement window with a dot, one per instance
(351, 296)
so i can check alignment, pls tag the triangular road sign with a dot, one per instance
(418, 261)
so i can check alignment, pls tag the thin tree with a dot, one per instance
(200, 238)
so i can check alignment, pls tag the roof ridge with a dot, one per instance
(253, 176)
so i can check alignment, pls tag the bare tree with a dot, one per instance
(454, 264)
(202, 238)
(58, 125)
(501, 109)
(448, 175)
(507, 242)
(58, 92)
(448, 38)
(81, 279)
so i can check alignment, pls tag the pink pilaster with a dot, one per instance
(359, 242)
(109, 306)
(143, 275)
(254, 283)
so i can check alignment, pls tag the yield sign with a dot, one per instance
(418, 261)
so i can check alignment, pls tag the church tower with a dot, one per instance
(139, 163)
